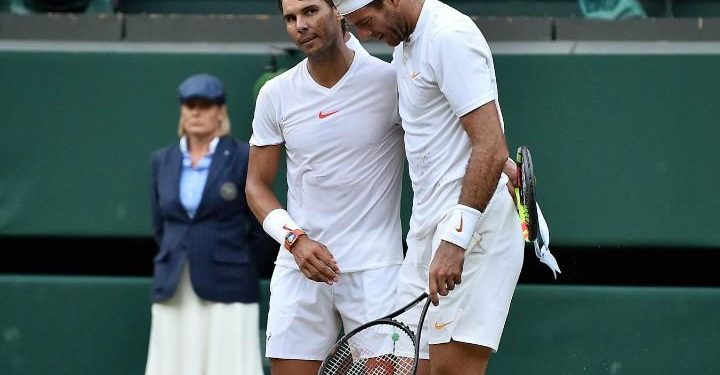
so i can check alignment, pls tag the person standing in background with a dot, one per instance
(205, 313)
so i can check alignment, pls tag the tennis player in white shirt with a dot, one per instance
(335, 116)
(464, 227)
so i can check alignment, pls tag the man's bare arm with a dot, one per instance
(313, 258)
(262, 169)
(488, 157)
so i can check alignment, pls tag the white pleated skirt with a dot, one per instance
(192, 336)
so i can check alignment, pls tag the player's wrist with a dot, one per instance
(460, 226)
(452, 246)
(282, 228)
(292, 238)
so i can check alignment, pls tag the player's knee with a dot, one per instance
(440, 366)
(458, 358)
(446, 367)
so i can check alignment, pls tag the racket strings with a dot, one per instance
(380, 349)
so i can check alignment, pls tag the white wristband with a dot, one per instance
(460, 226)
(278, 224)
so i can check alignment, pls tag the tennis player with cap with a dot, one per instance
(464, 227)
(335, 115)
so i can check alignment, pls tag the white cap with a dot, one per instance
(349, 6)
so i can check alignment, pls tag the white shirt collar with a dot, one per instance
(427, 4)
(211, 148)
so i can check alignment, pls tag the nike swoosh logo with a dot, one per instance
(322, 115)
(460, 228)
(439, 326)
(414, 75)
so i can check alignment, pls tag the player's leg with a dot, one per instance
(423, 367)
(367, 295)
(293, 366)
(302, 323)
(459, 358)
(467, 325)
(364, 296)
(412, 281)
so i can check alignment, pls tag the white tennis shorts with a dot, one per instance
(305, 316)
(475, 311)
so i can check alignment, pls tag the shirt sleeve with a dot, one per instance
(266, 121)
(462, 66)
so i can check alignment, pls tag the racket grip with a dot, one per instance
(524, 216)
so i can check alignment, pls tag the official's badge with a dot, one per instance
(228, 191)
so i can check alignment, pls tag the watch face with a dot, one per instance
(291, 237)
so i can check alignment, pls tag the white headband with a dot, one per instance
(349, 6)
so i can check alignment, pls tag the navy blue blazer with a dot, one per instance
(219, 241)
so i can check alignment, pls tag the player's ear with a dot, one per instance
(338, 16)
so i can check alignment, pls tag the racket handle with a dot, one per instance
(524, 219)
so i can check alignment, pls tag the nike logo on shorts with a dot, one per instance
(439, 326)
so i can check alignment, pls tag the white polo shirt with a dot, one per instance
(354, 44)
(444, 71)
(344, 159)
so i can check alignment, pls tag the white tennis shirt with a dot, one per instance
(444, 71)
(344, 148)
(354, 44)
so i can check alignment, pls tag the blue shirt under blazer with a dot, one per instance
(218, 242)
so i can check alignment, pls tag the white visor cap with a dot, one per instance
(349, 6)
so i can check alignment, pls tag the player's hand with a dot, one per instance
(510, 169)
(445, 270)
(315, 260)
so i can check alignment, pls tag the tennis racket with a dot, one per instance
(525, 194)
(383, 346)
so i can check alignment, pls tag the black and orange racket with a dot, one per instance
(525, 195)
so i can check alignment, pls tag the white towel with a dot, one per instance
(542, 243)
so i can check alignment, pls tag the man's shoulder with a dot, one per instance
(375, 61)
(461, 32)
(443, 11)
(376, 65)
(448, 22)
(283, 79)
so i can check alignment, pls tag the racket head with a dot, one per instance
(380, 347)
(525, 194)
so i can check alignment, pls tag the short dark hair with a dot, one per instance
(343, 23)
(329, 2)
(377, 4)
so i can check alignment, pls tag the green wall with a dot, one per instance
(623, 144)
(571, 330)
(79, 129)
(100, 325)
(73, 325)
